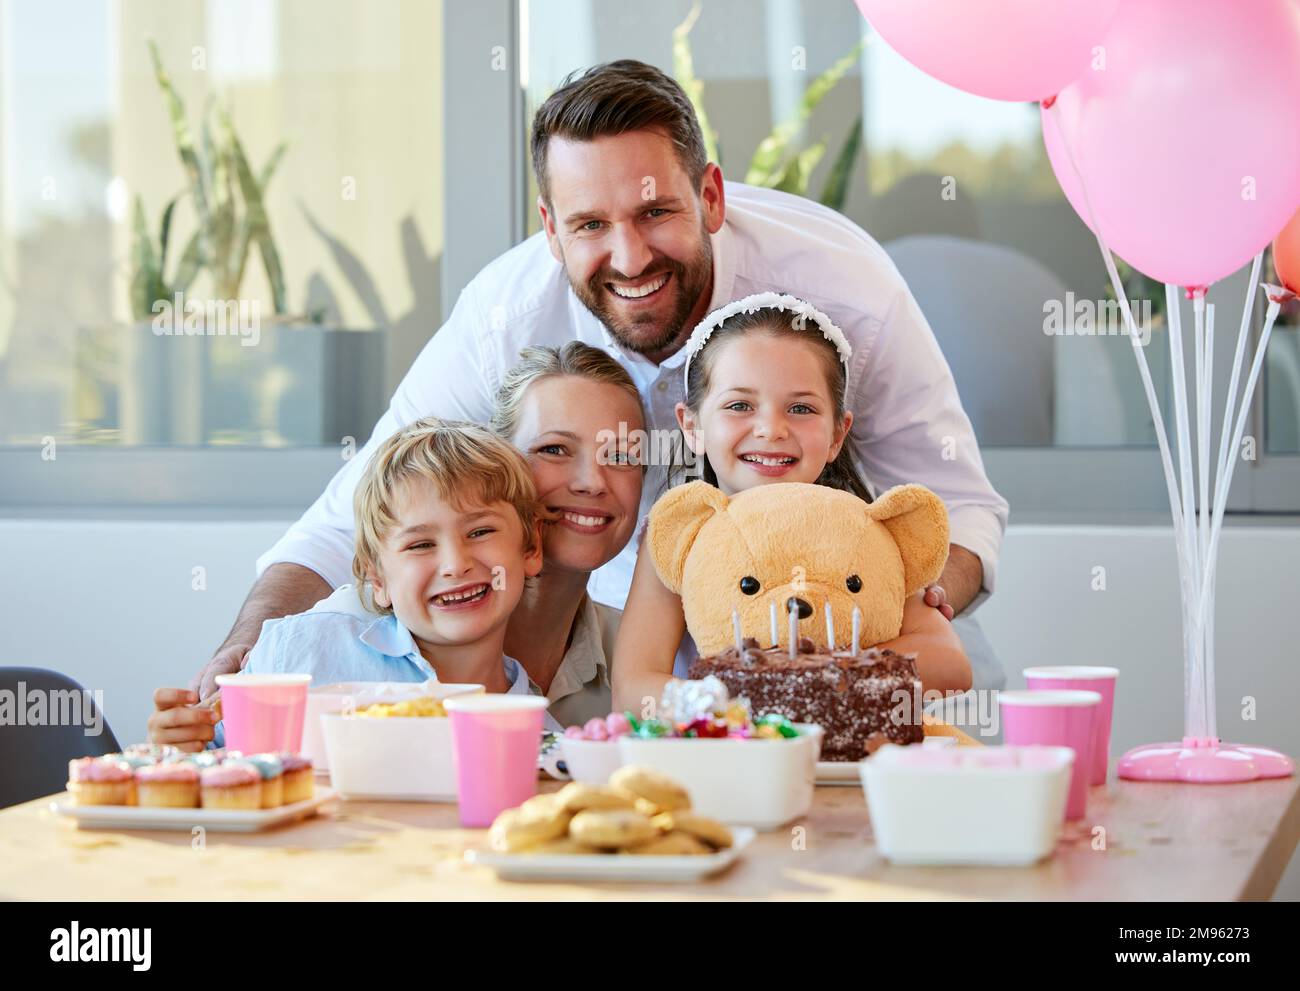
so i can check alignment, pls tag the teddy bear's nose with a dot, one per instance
(794, 602)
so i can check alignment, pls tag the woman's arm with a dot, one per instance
(648, 635)
(941, 660)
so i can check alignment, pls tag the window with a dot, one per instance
(353, 91)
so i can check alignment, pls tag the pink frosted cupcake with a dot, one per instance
(168, 786)
(231, 786)
(299, 785)
(100, 781)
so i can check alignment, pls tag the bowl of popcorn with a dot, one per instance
(591, 750)
(741, 768)
(395, 749)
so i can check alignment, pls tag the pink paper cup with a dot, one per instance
(494, 745)
(1085, 678)
(263, 712)
(1059, 719)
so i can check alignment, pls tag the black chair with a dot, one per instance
(34, 758)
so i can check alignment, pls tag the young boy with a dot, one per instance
(447, 532)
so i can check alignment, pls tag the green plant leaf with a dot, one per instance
(259, 226)
(836, 189)
(268, 170)
(164, 233)
(794, 178)
(684, 70)
(187, 269)
(182, 136)
(144, 266)
(765, 167)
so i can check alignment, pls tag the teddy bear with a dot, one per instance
(797, 546)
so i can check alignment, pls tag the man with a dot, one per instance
(641, 239)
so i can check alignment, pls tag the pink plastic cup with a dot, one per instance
(494, 745)
(263, 712)
(1085, 678)
(1059, 719)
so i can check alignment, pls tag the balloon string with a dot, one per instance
(1166, 460)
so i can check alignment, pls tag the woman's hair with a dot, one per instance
(465, 462)
(841, 473)
(537, 363)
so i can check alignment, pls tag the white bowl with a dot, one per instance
(967, 805)
(399, 758)
(759, 783)
(592, 761)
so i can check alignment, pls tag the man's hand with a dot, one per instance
(179, 721)
(228, 660)
(935, 596)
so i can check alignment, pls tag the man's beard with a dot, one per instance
(689, 281)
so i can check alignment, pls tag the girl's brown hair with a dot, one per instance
(841, 473)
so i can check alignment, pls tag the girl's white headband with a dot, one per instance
(766, 300)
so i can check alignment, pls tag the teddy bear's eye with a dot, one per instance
(854, 583)
(749, 585)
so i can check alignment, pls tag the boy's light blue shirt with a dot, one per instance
(338, 639)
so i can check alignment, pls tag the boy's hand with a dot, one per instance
(180, 721)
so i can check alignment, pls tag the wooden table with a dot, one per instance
(1160, 841)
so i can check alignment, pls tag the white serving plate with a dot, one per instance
(759, 783)
(217, 820)
(925, 814)
(610, 866)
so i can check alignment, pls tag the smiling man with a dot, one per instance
(642, 237)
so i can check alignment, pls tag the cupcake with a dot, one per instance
(233, 785)
(144, 754)
(272, 773)
(168, 786)
(200, 760)
(298, 782)
(101, 781)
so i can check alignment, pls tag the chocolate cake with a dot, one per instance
(857, 699)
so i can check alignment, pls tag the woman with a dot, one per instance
(562, 408)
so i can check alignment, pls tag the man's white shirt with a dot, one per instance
(908, 424)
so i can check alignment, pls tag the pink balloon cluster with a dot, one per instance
(1173, 126)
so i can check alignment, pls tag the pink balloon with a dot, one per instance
(1189, 138)
(1004, 49)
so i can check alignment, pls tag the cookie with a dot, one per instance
(614, 829)
(565, 845)
(674, 844)
(712, 832)
(647, 783)
(579, 797)
(647, 808)
(518, 829)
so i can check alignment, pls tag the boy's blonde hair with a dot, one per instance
(467, 463)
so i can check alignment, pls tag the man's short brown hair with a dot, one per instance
(615, 98)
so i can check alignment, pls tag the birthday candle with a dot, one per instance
(830, 629)
(776, 631)
(857, 629)
(735, 628)
(794, 630)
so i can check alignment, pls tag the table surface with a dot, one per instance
(1158, 841)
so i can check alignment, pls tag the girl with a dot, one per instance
(765, 381)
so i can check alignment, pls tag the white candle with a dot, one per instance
(735, 628)
(794, 630)
(776, 630)
(830, 629)
(857, 629)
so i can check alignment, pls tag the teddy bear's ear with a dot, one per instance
(675, 522)
(918, 522)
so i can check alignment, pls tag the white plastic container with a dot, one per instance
(759, 783)
(396, 759)
(590, 761)
(967, 805)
